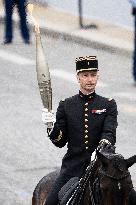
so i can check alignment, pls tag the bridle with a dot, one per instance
(103, 173)
(118, 179)
(79, 191)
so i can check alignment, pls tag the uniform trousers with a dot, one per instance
(52, 198)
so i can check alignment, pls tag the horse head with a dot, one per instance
(114, 176)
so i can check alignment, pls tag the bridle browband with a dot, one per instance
(117, 179)
(103, 173)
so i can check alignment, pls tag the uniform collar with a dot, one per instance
(86, 97)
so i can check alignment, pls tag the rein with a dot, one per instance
(79, 191)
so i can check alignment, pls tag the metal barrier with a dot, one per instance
(81, 23)
(44, 2)
(80, 13)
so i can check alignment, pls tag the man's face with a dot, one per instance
(87, 81)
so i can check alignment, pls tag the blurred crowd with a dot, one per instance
(21, 6)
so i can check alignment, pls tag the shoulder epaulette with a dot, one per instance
(110, 99)
(63, 100)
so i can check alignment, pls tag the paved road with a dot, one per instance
(26, 154)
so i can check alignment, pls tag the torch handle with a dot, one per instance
(50, 125)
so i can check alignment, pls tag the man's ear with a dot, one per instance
(98, 76)
(78, 78)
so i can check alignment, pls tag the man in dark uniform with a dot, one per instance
(9, 5)
(83, 121)
(134, 53)
(133, 3)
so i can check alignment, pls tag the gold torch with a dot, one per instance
(43, 74)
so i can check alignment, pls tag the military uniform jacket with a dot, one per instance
(81, 122)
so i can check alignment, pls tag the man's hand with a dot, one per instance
(48, 118)
(103, 143)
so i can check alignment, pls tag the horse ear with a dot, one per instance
(130, 161)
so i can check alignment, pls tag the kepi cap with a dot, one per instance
(87, 63)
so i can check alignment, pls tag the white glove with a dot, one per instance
(103, 143)
(48, 118)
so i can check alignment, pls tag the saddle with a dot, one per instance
(67, 190)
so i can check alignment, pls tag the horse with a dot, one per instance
(107, 181)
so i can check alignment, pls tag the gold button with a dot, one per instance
(86, 115)
(86, 136)
(90, 96)
(86, 104)
(86, 131)
(86, 142)
(86, 147)
(86, 126)
(86, 120)
(86, 109)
